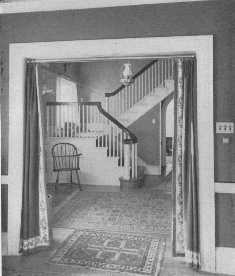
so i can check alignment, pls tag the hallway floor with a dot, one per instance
(146, 210)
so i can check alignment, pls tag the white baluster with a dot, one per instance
(142, 86)
(119, 103)
(131, 97)
(78, 121)
(113, 139)
(62, 107)
(106, 131)
(83, 119)
(123, 100)
(67, 120)
(136, 160)
(109, 140)
(54, 122)
(121, 148)
(157, 69)
(47, 120)
(138, 88)
(93, 120)
(116, 141)
(71, 120)
(107, 104)
(152, 79)
(148, 81)
(64, 119)
(168, 69)
(72, 111)
(132, 161)
(112, 105)
(86, 118)
(116, 105)
(67, 111)
(51, 122)
(163, 71)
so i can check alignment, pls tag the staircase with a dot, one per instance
(149, 87)
(108, 147)
(145, 104)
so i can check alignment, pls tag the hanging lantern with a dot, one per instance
(126, 74)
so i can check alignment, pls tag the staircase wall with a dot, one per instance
(147, 129)
(97, 78)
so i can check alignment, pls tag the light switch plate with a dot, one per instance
(225, 140)
(225, 127)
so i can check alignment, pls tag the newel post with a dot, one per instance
(127, 159)
(107, 104)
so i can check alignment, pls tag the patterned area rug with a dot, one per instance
(141, 211)
(110, 251)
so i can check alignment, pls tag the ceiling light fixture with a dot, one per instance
(126, 74)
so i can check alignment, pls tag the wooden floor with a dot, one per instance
(37, 265)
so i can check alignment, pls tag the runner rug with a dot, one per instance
(121, 252)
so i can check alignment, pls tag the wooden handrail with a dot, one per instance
(134, 77)
(132, 136)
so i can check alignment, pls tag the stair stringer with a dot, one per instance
(148, 102)
(96, 168)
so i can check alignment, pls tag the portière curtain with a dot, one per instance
(185, 170)
(34, 217)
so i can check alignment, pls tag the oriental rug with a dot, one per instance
(138, 212)
(121, 252)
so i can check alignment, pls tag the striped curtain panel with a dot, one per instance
(34, 217)
(185, 168)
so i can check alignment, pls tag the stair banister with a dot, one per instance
(122, 87)
(152, 76)
(89, 119)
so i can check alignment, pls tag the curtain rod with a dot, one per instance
(108, 58)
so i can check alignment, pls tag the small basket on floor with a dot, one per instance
(66, 158)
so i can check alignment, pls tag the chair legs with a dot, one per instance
(71, 179)
(79, 184)
(57, 180)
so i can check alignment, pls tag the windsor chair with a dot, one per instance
(66, 158)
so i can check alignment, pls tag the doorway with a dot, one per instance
(201, 45)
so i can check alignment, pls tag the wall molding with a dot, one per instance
(225, 188)
(22, 6)
(202, 46)
(224, 260)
